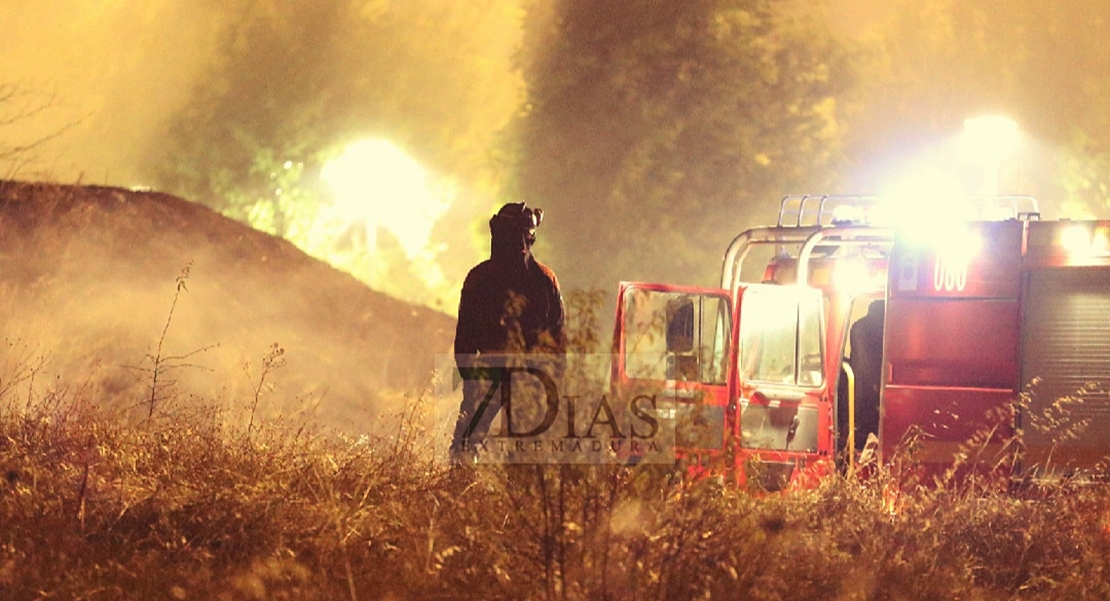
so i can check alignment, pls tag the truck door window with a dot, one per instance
(780, 336)
(676, 336)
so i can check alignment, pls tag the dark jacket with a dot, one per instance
(510, 306)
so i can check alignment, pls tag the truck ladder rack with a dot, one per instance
(821, 210)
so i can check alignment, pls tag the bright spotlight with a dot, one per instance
(379, 184)
(1076, 239)
(923, 203)
(988, 140)
(991, 136)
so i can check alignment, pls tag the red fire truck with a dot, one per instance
(828, 329)
(1000, 334)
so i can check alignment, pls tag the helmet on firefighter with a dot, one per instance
(514, 219)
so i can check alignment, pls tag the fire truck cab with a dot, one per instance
(756, 376)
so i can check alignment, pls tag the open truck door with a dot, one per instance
(749, 373)
(767, 406)
(785, 426)
(673, 345)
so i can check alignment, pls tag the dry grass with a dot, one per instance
(97, 506)
(189, 502)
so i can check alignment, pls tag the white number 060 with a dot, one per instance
(949, 275)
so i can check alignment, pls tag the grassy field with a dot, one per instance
(167, 498)
(180, 506)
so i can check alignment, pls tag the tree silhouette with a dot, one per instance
(655, 132)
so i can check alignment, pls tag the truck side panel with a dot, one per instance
(1065, 367)
(951, 366)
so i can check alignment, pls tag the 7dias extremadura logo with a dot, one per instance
(558, 409)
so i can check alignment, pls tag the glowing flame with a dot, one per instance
(378, 187)
(377, 183)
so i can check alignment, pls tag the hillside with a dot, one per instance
(88, 280)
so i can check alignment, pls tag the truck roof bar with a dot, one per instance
(740, 245)
(803, 216)
(819, 210)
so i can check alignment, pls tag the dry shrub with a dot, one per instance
(181, 507)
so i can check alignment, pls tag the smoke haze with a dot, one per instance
(126, 89)
(108, 75)
(90, 282)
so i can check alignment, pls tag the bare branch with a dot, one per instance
(18, 105)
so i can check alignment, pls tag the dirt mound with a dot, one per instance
(89, 280)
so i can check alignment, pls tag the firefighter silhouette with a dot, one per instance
(510, 303)
(866, 339)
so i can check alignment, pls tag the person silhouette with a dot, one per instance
(510, 303)
(866, 360)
